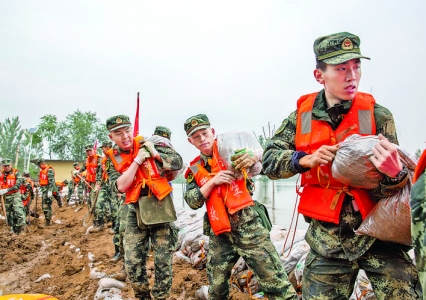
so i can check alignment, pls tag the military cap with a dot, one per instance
(106, 143)
(65, 181)
(337, 48)
(88, 147)
(75, 164)
(195, 123)
(40, 160)
(117, 122)
(26, 173)
(163, 131)
(6, 162)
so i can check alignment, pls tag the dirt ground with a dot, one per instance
(64, 251)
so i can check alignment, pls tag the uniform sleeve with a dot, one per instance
(19, 181)
(51, 177)
(99, 170)
(172, 161)
(279, 150)
(113, 175)
(193, 196)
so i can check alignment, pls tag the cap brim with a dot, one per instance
(120, 126)
(191, 132)
(343, 58)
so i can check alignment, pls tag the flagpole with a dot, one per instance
(136, 124)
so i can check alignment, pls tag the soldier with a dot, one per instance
(10, 183)
(93, 161)
(59, 186)
(47, 187)
(306, 144)
(240, 233)
(136, 167)
(106, 206)
(75, 183)
(418, 218)
(27, 191)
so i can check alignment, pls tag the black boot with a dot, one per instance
(117, 256)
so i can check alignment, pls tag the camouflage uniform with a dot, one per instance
(15, 211)
(163, 237)
(418, 217)
(336, 252)
(91, 191)
(103, 206)
(27, 192)
(46, 202)
(248, 238)
(72, 187)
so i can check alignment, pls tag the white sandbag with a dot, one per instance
(292, 257)
(352, 165)
(107, 283)
(180, 258)
(202, 293)
(363, 290)
(231, 141)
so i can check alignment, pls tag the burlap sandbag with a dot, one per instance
(390, 219)
(352, 165)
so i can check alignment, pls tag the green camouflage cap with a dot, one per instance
(116, 122)
(88, 147)
(6, 162)
(163, 131)
(65, 181)
(40, 160)
(106, 143)
(26, 173)
(195, 123)
(337, 48)
(75, 164)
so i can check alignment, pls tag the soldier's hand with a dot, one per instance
(150, 147)
(322, 156)
(142, 155)
(97, 187)
(386, 157)
(49, 194)
(244, 159)
(226, 176)
(3, 191)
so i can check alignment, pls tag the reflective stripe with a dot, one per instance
(306, 122)
(365, 122)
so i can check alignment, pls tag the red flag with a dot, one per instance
(136, 124)
(95, 145)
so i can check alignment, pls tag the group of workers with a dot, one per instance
(136, 173)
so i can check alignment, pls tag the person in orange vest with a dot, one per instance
(418, 218)
(93, 162)
(232, 232)
(47, 187)
(75, 184)
(59, 186)
(27, 191)
(306, 143)
(10, 183)
(137, 168)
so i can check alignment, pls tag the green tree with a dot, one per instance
(47, 130)
(77, 130)
(418, 153)
(11, 136)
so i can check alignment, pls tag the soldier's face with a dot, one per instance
(89, 152)
(123, 137)
(203, 140)
(7, 168)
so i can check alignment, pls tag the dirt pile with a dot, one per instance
(65, 252)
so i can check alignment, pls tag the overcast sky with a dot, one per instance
(243, 63)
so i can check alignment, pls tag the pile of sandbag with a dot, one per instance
(390, 219)
(193, 245)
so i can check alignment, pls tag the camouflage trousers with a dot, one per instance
(103, 205)
(72, 188)
(251, 241)
(57, 197)
(418, 227)
(389, 269)
(120, 227)
(163, 238)
(15, 211)
(46, 203)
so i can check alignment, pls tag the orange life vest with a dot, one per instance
(75, 178)
(104, 171)
(23, 189)
(421, 166)
(91, 166)
(322, 196)
(43, 178)
(147, 173)
(10, 180)
(60, 185)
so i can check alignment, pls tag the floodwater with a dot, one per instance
(278, 196)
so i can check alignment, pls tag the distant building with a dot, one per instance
(63, 168)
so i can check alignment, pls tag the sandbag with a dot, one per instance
(390, 219)
(352, 165)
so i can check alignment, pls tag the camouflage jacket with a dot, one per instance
(19, 181)
(328, 239)
(172, 161)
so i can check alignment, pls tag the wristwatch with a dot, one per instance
(400, 176)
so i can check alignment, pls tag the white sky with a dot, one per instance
(243, 63)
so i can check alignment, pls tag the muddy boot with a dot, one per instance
(121, 275)
(117, 256)
(17, 229)
(98, 227)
